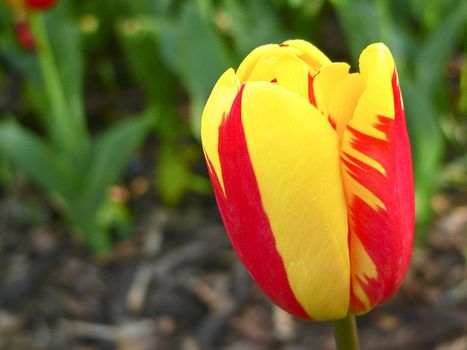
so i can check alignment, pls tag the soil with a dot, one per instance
(178, 285)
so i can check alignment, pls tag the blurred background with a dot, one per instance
(109, 233)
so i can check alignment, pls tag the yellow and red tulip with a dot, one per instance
(312, 173)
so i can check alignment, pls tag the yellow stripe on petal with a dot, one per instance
(249, 63)
(376, 100)
(310, 54)
(265, 70)
(217, 107)
(337, 93)
(376, 68)
(364, 158)
(363, 268)
(376, 58)
(292, 74)
(360, 191)
(295, 157)
(377, 177)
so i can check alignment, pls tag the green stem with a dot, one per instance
(63, 128)
(345, 333)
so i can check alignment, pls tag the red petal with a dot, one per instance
(385, 233)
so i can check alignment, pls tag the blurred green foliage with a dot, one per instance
(172, 52)
(67, 162)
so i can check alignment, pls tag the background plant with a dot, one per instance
(68, 163)
(169, 53)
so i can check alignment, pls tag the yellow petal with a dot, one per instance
(376, 68)
(292, 74)
(310, 54)
(265, 70)
(259, 64)
(376, 100)
(295, 157)
(262, 63)
(249, 63)
(337, 93)
(217, 107)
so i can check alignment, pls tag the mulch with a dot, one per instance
(178, 285)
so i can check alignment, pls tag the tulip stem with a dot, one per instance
(345, 333)
(64, 128)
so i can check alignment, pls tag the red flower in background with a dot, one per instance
(31, 5)
(24, 36)
(39, 4)
(22, 30)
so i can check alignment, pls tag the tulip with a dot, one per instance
(23, 35)
(22, 10)
(312, 173)
(40, 4)
(31, 5)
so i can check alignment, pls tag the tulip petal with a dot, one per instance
(336, 93)
(284, 206)
(295, 157)
(378, 181)
(250, 61)
(292, 74)
(217, 107)
(309, 54)
(260, 64)
(243, 215)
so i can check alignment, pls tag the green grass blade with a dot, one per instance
(439, 46)
(193, 48)
(38, 160)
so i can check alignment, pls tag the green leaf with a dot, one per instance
(38, 160)
(431, 13)
(365, 22)
(360, 21)
(67, 131)
(138, 7)
(427, 145)
(112, 153)
(65, 40)
(173, 175)
(141, 49)
(199, 184)
(241, 21)
(439, 46)
(195, 51)
(463, 88)
(115, 215)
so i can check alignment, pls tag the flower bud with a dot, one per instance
(312, 173)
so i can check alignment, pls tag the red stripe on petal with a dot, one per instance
(244, 217)
(386, 234)
(311, 91)
(332, 122)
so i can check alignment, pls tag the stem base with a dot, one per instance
(345, 333)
